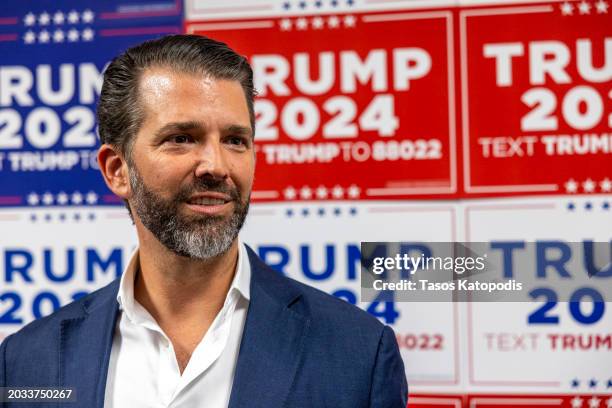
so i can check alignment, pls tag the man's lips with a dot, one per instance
(210, 203)
(209, 198)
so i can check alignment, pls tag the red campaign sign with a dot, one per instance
(353, 106)
(537, 98)
(578, 400)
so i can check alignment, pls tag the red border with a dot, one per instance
(451, 185)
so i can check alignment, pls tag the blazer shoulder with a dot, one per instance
(48, 325)
(324, 310)
(324, 306)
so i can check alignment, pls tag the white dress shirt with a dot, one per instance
(143, 371)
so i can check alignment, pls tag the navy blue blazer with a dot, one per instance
(300, 348)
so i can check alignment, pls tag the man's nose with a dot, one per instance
(211, 161)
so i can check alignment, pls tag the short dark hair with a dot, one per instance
(120, 113)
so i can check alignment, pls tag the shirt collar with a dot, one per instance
(242, 277)
(240, 284)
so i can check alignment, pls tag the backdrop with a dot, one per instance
(377, 120)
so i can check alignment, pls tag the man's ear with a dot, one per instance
(114, 170)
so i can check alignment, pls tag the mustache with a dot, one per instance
(203, 185)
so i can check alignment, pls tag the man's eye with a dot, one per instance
(236, 140)
(180, 139)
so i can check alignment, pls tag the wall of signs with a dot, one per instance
(377, 120)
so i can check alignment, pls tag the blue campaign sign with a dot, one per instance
(53, 55)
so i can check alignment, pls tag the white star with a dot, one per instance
(44, 36)
(594, 402)
(349, 21)
(58, 18)
(29, 19)
(73, 35)
(333, 22)
(317, 23)
(62, 198)
(301, 24)
(305, 192)
(44, 18)
(337, 192)
(321, 192)
(290, 193)
(571, 186)
(47, 198)
(87, 16)
(29, 37)
(91, 198)
(567, 9)
(77, 198)
(588, 186)
(584, 7)
(601, 6)
(58, 36)
(73, 17)
(87, 34)
(353, 191)
(285, 24)
(33, 199)
(606, 185)
(576, 402)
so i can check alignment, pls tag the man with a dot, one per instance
(197, 319)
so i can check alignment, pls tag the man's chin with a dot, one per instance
(202, 243)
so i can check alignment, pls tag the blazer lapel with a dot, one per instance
(272, 341)
(85, 347)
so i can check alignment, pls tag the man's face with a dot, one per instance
(192, 162)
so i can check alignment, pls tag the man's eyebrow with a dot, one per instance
(239, 130)
(180, 126)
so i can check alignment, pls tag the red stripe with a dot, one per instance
(138, 31)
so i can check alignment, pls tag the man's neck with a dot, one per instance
(172, 286)
(182, 294)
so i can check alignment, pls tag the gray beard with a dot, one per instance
(199, 237)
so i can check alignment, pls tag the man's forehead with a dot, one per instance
(156, 82)
(162, 89)
(160, 81)
(161, 75)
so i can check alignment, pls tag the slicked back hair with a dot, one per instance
(120, 111)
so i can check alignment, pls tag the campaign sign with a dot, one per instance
(548, 344)
(367, 98)
(536, 84)
(427, 333)
(52, 256)
(584, 399)
(54, 53)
